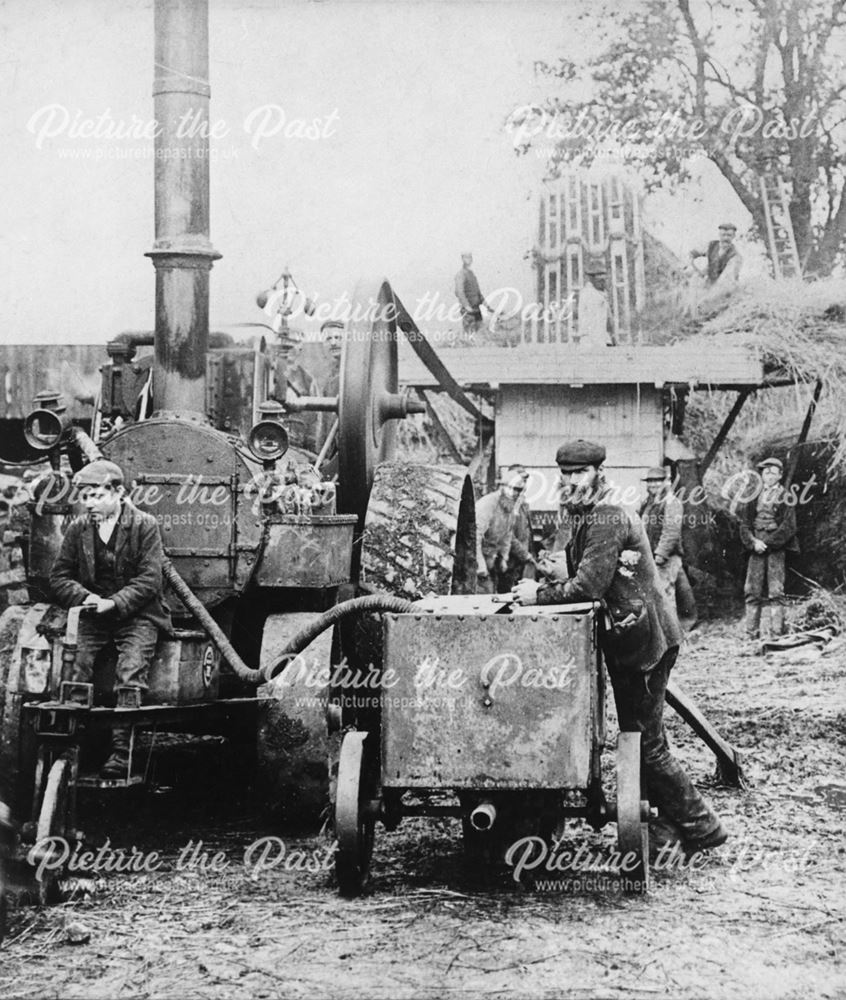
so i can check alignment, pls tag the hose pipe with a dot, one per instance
(215, 632)
(358, 605)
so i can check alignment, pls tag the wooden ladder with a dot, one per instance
(780, 236)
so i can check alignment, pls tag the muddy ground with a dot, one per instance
(762, 917)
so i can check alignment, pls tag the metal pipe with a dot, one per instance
(182, 253)
(84, 443)
(483, 816)
(312, 404)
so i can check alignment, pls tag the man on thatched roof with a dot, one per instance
(719, 281)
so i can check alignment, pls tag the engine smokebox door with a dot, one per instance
(489, 701)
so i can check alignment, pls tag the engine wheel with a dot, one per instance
(52, 822)
(420, 531)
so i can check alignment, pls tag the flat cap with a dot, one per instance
(595, 266)
(728, 225)
(574, 455)
(656, 472)
(100, 472)
(776, 463)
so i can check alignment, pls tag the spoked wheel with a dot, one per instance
(369, 403)
(355, 813)
(52, 823)
(632, 831)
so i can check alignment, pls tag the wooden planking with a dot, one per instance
(532, 421)
(26, 369)
(564, 364)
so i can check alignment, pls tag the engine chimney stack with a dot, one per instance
(182, 253)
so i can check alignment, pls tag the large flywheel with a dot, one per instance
(369, 402)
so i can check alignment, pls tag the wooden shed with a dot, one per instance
(624, 397)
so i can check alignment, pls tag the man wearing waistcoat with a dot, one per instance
(608, 559)
(111, 560)
(722, 256)
(768, 531)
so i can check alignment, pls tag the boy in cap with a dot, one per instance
(768, 530)
(111, 560)
(610, 560)
(662, 514)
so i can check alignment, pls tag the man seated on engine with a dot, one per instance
(111, 560)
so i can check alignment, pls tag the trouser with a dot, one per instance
(678, 591)
(471, 320)
(765, 587)
(668, 573)
(639, 699)
(135, 640)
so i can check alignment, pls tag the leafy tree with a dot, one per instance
(753, 85)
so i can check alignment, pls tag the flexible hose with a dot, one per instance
(306, 635)
(216, 633)
(358, 605)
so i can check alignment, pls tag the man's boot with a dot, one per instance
(117, 766)
(666, 841)
(777, 619)
(753, 620)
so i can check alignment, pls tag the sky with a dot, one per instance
(412, 163)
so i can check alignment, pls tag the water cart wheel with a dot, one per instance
(632, 831)
(355, 814)
(369, 382)
(52, 822)
(420, 532)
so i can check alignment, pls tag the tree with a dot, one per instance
(753, 85)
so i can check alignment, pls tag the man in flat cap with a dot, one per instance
(496, 517)
(594, 323)
(469, 296)
(662, 514)
(767, 525)
(111, 560)
(332, 334)
(723, 269)
(609, 560)
(291, 378)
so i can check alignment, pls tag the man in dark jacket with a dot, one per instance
(768, 530)
(609, 560)
(111, 560)
(662, 514)
(469, 296)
